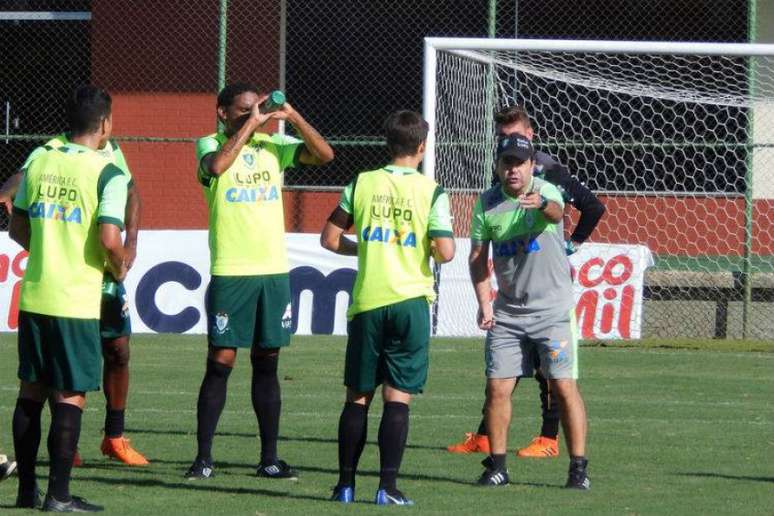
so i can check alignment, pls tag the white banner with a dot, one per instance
(607, 284)
(167, 286)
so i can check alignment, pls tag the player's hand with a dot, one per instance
(120, 275)
(485, 317)
(7, 203)
(258, 118)
(130, 253)
(530, 200)
(287, 112)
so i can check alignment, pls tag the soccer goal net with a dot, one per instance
(676, 141)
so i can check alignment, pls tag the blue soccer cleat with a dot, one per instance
(384, 497)
(343, 494)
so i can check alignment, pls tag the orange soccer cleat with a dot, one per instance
(120, 449)
(540, 448)
(77, 461)
(473, 443)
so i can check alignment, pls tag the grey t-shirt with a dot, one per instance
(528, 252)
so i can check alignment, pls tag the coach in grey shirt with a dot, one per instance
(533, 314)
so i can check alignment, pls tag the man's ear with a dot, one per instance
(221, 110)
(422, 147)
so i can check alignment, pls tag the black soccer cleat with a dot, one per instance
(492, 476)
(276, 469)
(577, 477)
(76, 504)
(7, 467)
(29, 499)
(200, 470)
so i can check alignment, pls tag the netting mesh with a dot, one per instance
(679, 148)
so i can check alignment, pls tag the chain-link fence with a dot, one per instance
(344, 65)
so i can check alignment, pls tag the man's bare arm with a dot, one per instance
(110, 238)
(333, 239)
(132, 218)
(478, 261)
(443, 249)
(19, 230)
(8, 191)
(317, 151)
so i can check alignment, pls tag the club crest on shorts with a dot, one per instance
(249, 160)
(125, 307)
(557, 353)
(221, 322)
(287, 317)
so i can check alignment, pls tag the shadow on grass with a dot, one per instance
(727, 477)
(203, 487)
(410, 476)
(221, 469)
(303, 439)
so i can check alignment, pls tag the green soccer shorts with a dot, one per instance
(247, 311)
(114, 321)
(389, 344)
(62, 353)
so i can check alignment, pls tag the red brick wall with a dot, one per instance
(160, 65)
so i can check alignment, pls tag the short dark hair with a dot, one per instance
(229, 93)
(86, 108)
(405, 131)
(513, 114)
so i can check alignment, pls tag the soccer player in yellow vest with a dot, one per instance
(401, 219)
(68, 213)
(248, 305)
(115, 324)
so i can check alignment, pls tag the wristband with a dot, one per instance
(543, 203)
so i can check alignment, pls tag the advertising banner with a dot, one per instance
(167, 287)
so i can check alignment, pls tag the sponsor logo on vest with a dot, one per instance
(249, 160)
(259, 194)
(252, 179)
(41, 210)
(389, 236)
(58, 192)
(390, 212)
(515, 247)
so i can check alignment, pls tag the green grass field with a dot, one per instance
(672, 430)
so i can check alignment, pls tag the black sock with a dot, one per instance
(26, 440)
(393, 432)
(482, 427)
(62, 443)
(578, 462)
(353, 428)
(482, 424)
(114, 423)
(212, 399)
(550, 406)
(498, 461)
(266, 403)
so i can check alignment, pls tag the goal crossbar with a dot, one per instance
(467, 47)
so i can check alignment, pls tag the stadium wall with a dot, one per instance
(158, 83)
(157, 63)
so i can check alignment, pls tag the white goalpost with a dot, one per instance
(675, 138)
